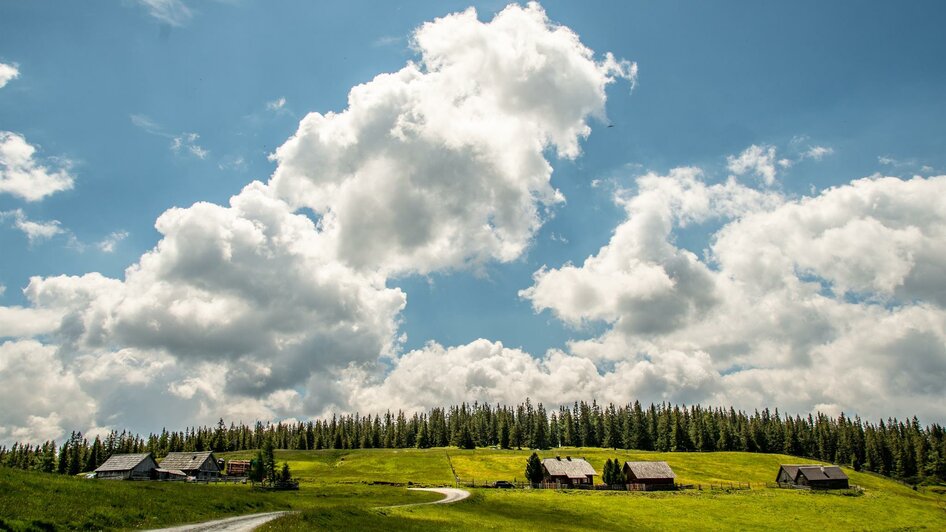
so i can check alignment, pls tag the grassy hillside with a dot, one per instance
(426, 467)
(338, 493)
(884, 504)
(38, 501)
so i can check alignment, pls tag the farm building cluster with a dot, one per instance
(571, 472)
(198, 466)
(577, 473)
(558, 472)
(814, 476)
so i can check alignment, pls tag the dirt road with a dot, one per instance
(246, 523)
(450, 495)
(242, 523)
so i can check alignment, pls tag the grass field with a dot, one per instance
(338, 491)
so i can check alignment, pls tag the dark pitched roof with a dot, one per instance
(188, 461)
(814, 471)
(123, 462)
(647, 470)
(821, 473)
(792, 470)
(569, 467)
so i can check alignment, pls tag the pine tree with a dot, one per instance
(503, 433)
(423, 438)
(540, 439)
(268, 460)
(257, 472)
(465, 439)
(534, 472)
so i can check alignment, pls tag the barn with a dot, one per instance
(138, 466)
(567, 473)
(200, 465)
(650, 475)
(814, 476)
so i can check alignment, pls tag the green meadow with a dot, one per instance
(349, 490)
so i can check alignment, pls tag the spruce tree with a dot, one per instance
(257, 472)
(269, 460)
(465, 439)
(423, 437)
(534, 472)
(607, 475)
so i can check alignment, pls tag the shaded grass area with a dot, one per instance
(38, 501)
(764, 509)
(716, 510)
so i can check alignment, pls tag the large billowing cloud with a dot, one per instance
(489, 372)
(826, 302)
(817, 303)
(253, 310)
(442, 164)
(247, 286)
(40, 395)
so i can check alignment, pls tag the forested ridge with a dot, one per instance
(901, 449)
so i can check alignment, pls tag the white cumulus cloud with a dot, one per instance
(441, 164)
(829, 300)
(8, 73)
(34, 231)
(757, 160)
(22, 175)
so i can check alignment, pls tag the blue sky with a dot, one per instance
(108, 89)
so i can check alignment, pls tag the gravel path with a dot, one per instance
(243, 523)
(246, 523)
(451, 495)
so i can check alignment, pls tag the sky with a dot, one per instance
(266, 211)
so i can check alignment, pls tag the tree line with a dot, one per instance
(900, 449)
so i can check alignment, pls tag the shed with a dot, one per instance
(200, 465)
(169, 474)
(568, 472)
(238, 468)
(650, 474)
(815, 476)
(139, 466)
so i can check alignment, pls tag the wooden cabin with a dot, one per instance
(651, 475)
(814, 476)
(138, 466)
(568, 472)
(199, 465)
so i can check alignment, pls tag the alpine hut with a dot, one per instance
(199, 465)
(649, 475)
(139, 466)
(569, 472)
(813, 476)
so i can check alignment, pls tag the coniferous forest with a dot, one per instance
(902, 449)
